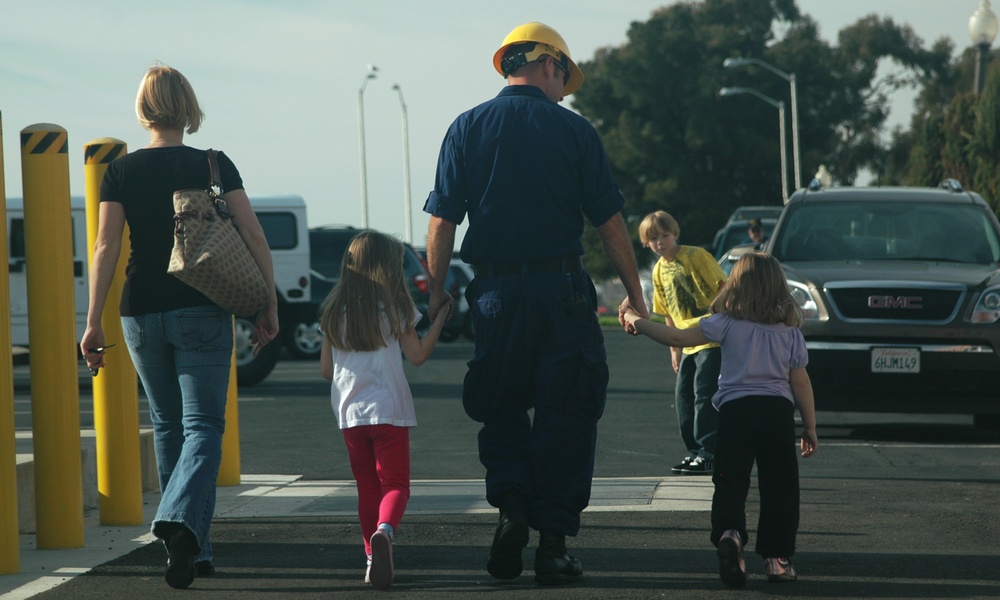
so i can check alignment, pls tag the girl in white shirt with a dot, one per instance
(367, 319)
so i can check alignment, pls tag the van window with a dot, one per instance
(16, 239)
(16, 250)
(280, 229)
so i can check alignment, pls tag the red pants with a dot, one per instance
(380, 461)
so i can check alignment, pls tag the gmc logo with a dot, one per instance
(914, 302)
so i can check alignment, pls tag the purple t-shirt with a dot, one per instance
(756, 357)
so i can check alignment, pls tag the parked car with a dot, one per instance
(461, 274)
(283, 219)
(735, 233)
(745, 213)
(901, 293)
(729, 258)
(327, 246)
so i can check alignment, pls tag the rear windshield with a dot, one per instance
(887, 231)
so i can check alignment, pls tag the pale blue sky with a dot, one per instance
(279, 81)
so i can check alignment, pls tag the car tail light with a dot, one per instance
(420, 280)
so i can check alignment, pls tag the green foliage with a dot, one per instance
(676, 145)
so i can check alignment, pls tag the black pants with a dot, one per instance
(761, 429)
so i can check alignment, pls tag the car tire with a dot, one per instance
(305, 340)
(250, 369)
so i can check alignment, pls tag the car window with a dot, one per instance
(280, 229)
(327, 251)
(888, 230)
(736, 234)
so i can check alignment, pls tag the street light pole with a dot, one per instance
(790, 78)
(372, 71)
(733, 91)
(407, 208)
(983, 26)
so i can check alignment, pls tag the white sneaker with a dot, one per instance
(380, 572)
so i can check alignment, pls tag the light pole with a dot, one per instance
(982, 29)
(790, 78)
(733, 91)
(406, 167)
(372, 71)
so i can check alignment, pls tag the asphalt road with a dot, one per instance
(893, 506)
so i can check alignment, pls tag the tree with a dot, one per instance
(674, 144)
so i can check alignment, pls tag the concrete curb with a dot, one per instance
(88, 462)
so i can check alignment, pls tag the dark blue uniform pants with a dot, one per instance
(538, 346)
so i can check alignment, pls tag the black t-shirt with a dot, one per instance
(144, 182)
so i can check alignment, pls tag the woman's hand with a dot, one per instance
(266, 328)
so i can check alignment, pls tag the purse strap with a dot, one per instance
(215, 185)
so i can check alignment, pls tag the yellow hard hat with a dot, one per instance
(549, 42)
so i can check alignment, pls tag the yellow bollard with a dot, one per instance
(229, 470)
(116, 396)
(10, 545)
(55, 384)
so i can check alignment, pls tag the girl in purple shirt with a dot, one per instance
(762, 380)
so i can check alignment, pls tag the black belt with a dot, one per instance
(562, 264)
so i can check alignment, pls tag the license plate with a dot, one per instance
(895, 360)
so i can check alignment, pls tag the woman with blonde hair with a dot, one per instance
(180, 342)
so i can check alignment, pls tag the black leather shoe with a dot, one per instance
(509, 539)
(181, 549)
(553, 566)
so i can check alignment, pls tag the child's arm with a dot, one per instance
(417, 350)
(803, 393)
(326, 360)
(665, 334)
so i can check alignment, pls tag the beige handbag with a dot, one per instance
(209, 254)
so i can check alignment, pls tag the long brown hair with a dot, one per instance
(371, 281)
(758, 291)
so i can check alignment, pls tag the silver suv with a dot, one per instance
(901, 292)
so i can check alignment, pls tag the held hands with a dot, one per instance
(628, 315)
(266, 328)
(445, 309)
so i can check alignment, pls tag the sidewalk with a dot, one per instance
(269, 498)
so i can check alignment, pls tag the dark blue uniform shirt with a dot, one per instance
(526, 171)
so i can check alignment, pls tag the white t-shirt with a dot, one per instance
(370, 388)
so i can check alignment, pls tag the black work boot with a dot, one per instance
(553, 566)
(510, 538)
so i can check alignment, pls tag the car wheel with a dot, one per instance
(305, 340)
(250, 369)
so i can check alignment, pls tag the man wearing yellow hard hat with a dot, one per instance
(526, 172)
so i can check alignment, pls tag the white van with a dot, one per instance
(284, 221)
(17, 267)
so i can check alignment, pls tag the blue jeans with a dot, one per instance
(697, 382)
(183, 359)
